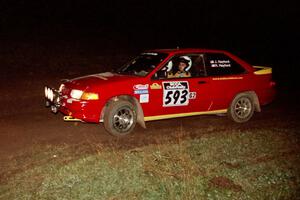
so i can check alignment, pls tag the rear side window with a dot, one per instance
(218, 64)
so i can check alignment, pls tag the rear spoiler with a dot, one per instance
(260, 70)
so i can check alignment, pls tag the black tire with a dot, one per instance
(241, 108)
(120, 118)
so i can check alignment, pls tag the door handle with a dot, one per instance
(201, 82)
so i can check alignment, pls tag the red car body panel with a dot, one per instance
(213, 94)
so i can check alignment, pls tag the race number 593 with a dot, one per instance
(175, 93)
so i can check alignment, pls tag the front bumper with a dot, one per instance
(74, 109)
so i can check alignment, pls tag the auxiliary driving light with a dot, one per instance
(51, 95)
(46, 92)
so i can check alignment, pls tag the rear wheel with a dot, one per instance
(241, 108)
(120, 118)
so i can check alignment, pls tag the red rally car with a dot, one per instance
(162, 84)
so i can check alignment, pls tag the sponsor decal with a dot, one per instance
(227, 78)
(141, 91)
(144, 98)
(155, 86)
(175, 93)
(141, 87)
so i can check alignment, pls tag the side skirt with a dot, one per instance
(158, 117)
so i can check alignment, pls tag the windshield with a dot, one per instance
(143, 64)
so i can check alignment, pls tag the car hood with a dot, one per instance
(96, 80)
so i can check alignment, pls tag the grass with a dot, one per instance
(254, 164)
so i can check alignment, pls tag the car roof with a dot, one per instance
(187, 50)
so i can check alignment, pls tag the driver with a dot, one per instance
(184, 64)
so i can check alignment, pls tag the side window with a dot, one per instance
(198, 68)
(218, 64)
(183, 66)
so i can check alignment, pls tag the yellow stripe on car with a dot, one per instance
(260, 70)
(226, 78)
(158, 117)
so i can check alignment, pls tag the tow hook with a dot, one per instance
(71, 119)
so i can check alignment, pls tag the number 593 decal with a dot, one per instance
(176, 93)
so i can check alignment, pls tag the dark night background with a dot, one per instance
(261, 32)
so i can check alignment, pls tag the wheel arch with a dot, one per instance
(131, 99)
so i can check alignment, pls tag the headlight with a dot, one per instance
(76, 94)
(90, 96)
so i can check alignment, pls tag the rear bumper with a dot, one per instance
(267, 96)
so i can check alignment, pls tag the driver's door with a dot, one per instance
(175, 97)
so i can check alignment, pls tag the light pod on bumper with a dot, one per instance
(46, 92)
(51, 95)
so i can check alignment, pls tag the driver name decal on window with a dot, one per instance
(175, 93)
(220, 63)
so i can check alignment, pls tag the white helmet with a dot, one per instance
(187, 60)
(169, 66)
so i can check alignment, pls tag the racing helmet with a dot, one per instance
(187, 60)
(169, 66)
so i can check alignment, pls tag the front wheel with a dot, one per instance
(120, 118)
(241, 108)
